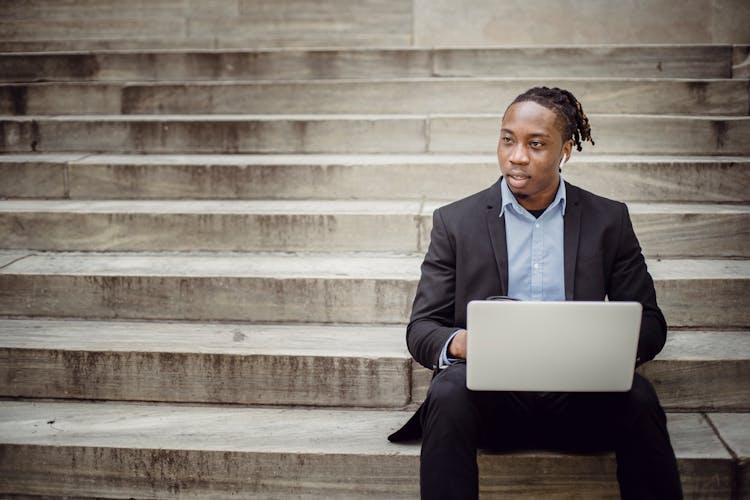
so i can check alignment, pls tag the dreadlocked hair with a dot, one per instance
(576, 125)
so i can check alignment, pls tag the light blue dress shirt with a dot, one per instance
(535, 252)
(535, 248)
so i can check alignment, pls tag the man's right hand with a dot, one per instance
(457, 347)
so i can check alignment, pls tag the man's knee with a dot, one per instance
(643, 410)
(448, 394)
(643, 396)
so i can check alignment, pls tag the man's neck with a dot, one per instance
(536, 213)
(539, 202)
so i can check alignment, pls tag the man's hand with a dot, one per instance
(457, 347)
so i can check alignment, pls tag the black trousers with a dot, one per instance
(457, 421)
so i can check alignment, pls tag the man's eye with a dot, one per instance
(507, 140)
(537, 144)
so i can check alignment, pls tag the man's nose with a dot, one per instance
(518, 155)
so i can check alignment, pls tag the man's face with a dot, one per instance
(529, 152)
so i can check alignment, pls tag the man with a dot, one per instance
(533, 236)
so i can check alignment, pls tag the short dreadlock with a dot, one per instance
(575, 123)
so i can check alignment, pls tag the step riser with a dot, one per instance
(274, 65)
(633, 181)
(299, 365)
(205, 378)
(603, 62)
(689, 235)
(276, 136)
(447, 134)
(184, 450)
(741, 63)
(213, 232)
(704, 302)
(662, 235)
(503, 477)
(728, 97)
(707, 385)
(33, 179)
(44, 470)
(386, 301)
(262, 300)
(693, 235)
(626, 134)
(682, 385)
(204, 474)
(607, 62)
(733, 430)
(630, 181)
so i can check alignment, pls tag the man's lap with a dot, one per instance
(561, 421)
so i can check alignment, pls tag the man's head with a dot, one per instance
(538, 132)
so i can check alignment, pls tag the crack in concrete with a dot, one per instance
(16, 260)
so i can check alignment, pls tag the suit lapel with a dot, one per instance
(571, 232)
(496, 228)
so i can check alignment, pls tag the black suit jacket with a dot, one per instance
(467, 259)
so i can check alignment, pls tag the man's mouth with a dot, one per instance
(517, 180)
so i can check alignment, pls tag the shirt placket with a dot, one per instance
(537, 251)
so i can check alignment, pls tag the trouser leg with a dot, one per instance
(455, 421)
(631, 423)
(450, 426)
(646, 463)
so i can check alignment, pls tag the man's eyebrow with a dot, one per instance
(535, 134)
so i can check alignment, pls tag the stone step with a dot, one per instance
(196, 225)
(615, 134)
(440, 177)
(331, 288)
(104, 450)
(716, 363)
(696, 371)
(423, 95)
(596, 61)
(365, 366)
(733, 430)
(281, 288)
(741, 61)
(668, 230)
(664, 230)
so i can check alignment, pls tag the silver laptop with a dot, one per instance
(551, 346)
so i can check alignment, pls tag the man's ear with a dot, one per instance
(567, 149)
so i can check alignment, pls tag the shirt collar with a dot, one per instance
(509, 199)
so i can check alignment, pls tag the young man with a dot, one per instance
(533, 236)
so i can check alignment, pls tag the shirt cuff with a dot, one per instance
(445, 361)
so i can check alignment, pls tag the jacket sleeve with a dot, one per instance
(432, 319)
(630, 280)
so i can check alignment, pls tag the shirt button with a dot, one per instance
(538, 225)
(536, 266)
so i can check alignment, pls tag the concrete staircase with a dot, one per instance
(208, 252)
